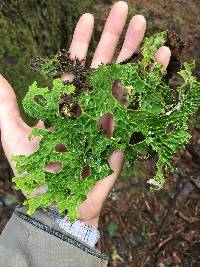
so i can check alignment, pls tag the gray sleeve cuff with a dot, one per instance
(79, 229)
(38, 241)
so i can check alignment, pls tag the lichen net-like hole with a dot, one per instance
(119, 93)
(68, 108)
(53, 167)
(61, 148)
(106, 124)
(136, 137)
(170, 128)
(40, 100)
(86, 171)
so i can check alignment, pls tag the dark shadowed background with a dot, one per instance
(138, 228)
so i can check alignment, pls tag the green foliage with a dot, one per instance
(112, 229)
(157, 125)
(150, 47)
(144, 233)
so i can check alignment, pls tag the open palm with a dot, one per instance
(15, 132)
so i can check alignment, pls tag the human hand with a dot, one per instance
(15, 132)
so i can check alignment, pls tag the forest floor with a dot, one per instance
(139, 228)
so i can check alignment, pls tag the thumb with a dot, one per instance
(91, 207)
(116, 161)
(102, 188)
(9, 111)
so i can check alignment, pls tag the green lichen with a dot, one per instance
(157, 125)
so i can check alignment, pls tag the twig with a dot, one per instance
(185, 218)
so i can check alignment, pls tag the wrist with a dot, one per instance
(92, 222)
(86, 231)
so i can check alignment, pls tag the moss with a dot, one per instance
(34, 28)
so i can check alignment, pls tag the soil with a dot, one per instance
(139, 228)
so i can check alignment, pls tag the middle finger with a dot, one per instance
(111, 33)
